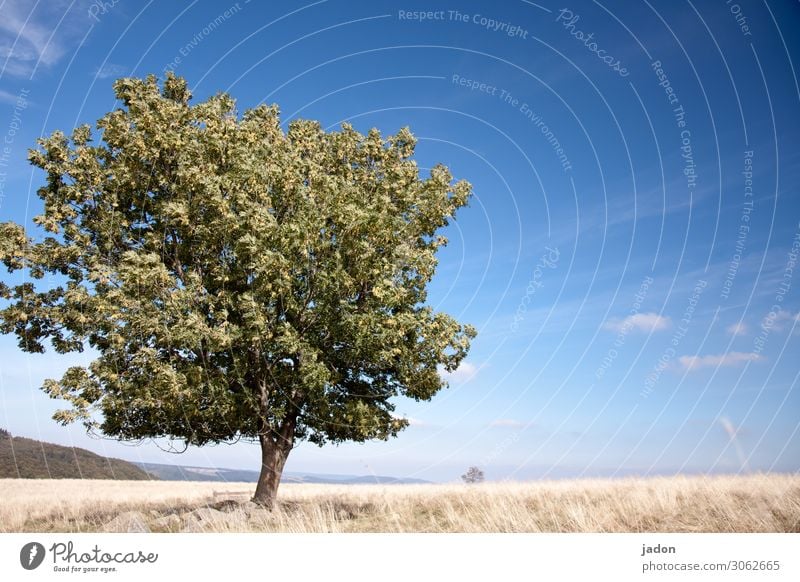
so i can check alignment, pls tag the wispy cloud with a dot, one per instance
(9, 98)
(737, 329)
(729, 359)
(644, 322)
(466, 371)
(783, 319)
(733, 434)
(109, 70)
(34, 35)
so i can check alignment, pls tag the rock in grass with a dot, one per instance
(202, 519)
(192, 526)
(227, 505)
(128, 522)
(169, 523)
(205, 515)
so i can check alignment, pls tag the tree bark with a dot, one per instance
(274, 451)
(273, 458)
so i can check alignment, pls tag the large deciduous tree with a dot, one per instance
(236, 280)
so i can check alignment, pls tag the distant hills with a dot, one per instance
(22, 458)
(181, 473)
(185, 473)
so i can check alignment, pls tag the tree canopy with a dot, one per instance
(473, 475)
(235, 279)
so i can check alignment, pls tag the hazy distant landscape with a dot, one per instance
(754, 503)
(189, 473)
(25, 458)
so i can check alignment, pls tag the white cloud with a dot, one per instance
(109, 70)
(466, 371)
(737, 329)
(8, 98)
(34, 35)
(782, 319)
(411, 421)
(721, 360)
(506, 423)
(644, 322)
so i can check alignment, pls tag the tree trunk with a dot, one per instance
(273, 458)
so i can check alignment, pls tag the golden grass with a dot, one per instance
(753, 503)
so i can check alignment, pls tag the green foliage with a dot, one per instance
(22, 458)
(237, 280)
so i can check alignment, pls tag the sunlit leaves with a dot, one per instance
(232, 275)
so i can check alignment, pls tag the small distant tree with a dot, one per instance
(473, 475)
(4, 434)
(235, 280)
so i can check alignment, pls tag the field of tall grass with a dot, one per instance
(752, 503)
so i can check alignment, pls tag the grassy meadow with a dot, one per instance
(753, 503)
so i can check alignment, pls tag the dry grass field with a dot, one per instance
(755, 503)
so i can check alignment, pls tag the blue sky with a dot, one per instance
(628, 257)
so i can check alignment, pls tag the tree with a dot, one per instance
(473, 475)
(236, 280)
